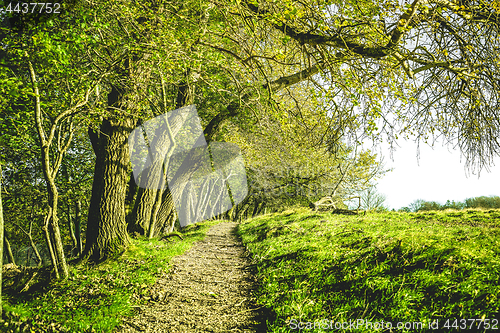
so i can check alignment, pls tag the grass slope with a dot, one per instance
(93, 299)
(350, 273)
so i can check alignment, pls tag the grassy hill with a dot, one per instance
(365, 273)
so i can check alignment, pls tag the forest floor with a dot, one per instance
(207, 289)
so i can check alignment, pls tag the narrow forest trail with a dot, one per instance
(208, 289)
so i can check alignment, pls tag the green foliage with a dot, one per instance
(286, 165)
(477, 202)
(55, 50)
(96, 298)
(415, 206)
(429, 205)
(409, 267)
(483, 202)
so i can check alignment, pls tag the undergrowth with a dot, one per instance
(365, 273)
(93, 299)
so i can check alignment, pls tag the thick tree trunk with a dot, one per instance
(106, 228)
(144, 204)
(156, 207)
(165, 219)
(148, 196)
(135, 223)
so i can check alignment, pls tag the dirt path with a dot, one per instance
(208, 289)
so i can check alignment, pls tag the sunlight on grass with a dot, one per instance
(397, 267)
(95, 299)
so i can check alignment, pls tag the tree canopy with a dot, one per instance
(304, 82)
(425, 68)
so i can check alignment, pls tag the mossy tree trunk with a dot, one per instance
(106, 227)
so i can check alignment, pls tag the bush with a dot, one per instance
(429, 205)
(415, 205)
(483, 202)
(490, 202)
(453, 205)
(382, 209)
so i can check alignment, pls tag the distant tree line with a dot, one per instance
(477, 202)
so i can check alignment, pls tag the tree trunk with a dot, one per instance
(163, 179)
(35, 250)
(54, 227)
(156, 207)
(170, 223)
(106, 227)
(71, 227)
(148, 195)
(130, 199)
(164, 219)
(186, 202)
(50, 171)
(8, 249)
(50, 247)
(131, 189)
(135, 223)
(78, 226)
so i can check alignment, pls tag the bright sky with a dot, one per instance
(438, 175)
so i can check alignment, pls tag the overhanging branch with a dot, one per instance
(281, 83)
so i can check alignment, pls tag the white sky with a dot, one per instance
(438, 175)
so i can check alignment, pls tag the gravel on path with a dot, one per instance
(208, 289)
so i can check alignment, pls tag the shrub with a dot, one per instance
(453, 205)
(483, 202)
(429, 205)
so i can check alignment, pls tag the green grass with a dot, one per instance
(395, 267)
(95, 299)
